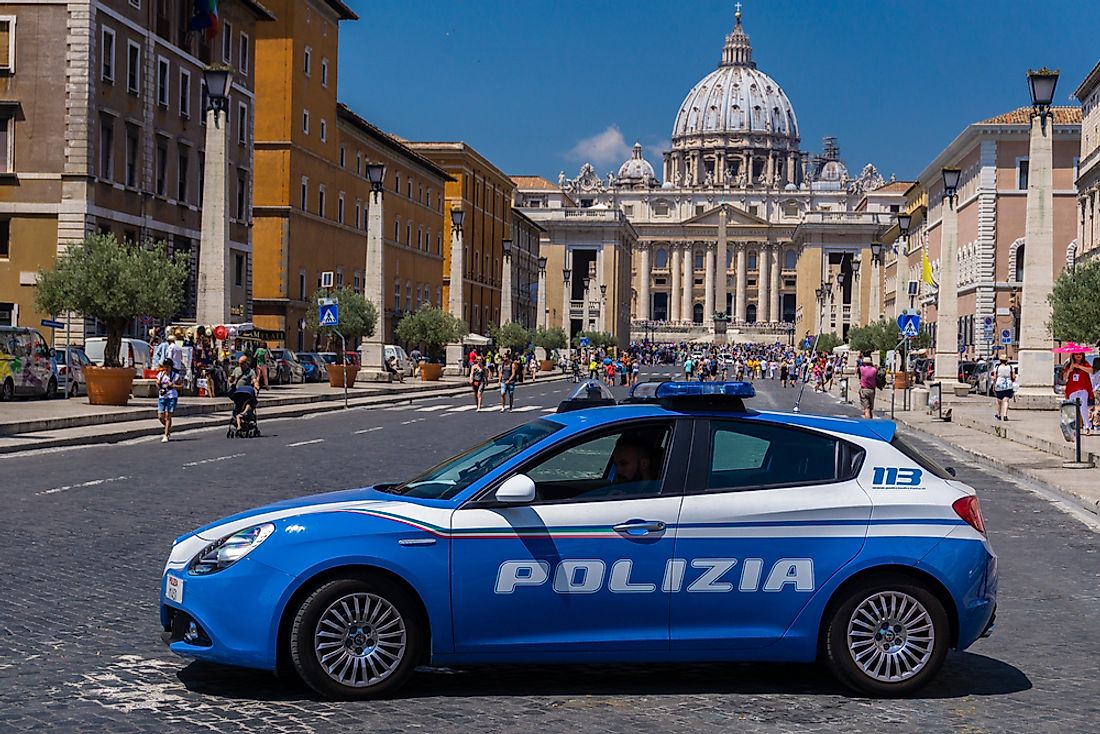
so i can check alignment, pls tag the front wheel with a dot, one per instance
(7, 390)
(887, 637)
(356, 638)
(51, 389)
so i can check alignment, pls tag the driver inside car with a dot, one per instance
(634, 468)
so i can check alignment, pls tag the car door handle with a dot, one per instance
(639, 527)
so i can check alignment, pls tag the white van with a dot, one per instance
(25, 367)
(135, 353)
(404, 364)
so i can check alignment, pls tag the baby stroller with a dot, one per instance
(244, 405)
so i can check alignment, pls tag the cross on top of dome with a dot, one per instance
(738, 50)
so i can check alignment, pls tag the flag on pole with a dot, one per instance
(926, 269)
(205, 18)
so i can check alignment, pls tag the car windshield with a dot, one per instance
(306, 358)
(456, 474)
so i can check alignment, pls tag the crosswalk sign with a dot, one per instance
(909, 324)
(328, 314)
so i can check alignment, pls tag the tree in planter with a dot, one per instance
(512, 337)
(114, 282)
(358, 317)
(1075, 309)
(550, 339)
(431, 328)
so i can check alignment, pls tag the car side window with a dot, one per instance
(626, 463)
(748, 455)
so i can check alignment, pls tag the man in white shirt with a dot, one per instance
(175, 353)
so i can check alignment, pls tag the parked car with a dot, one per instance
(136, 353)
(966, 371)
(287, 368)
(68, 367)
(25, 364)
(984, 384)
(314, 366)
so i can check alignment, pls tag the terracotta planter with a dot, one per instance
(901, 380)
(430, 372)
(108, 385)
(546, 365)
(337, 373)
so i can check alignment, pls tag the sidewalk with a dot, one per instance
(1030, 445)
(40, 424)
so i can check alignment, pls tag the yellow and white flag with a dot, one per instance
(926, 269)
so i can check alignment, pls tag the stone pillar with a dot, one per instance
(875, 307)
(746, 167)
(769, 170)
(688, 283)
(645, 277)
(506, 316)
(676, 270)
(773, 290)
(1036, 361)
(708, 285)
(740, 296)
(947, 302)
(458, 271)
(214, 290)
(856, 317)
(371, 353)
(763, 303)
(567, 298)
(721, 256)
(720, 167)
(541, 317)
(585, 304)
(792, 168)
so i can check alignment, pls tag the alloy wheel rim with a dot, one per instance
(360, 640)
(891, 636)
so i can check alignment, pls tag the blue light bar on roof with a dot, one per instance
(705, 389)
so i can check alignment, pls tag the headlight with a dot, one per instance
(222, 554)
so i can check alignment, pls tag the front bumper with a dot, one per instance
(229, 617)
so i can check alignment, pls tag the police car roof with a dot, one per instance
(876, 430)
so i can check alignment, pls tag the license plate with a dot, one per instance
(174, 589)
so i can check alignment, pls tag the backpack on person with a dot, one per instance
(880, 380)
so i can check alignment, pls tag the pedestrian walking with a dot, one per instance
(168, 381)
(1078, 376)
(868, 382)
(1004, 380)
(509, 375)
(261, 364)
(477, 381)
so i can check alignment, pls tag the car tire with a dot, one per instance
(51, 389)
(370, 654)
(887, 636)
(7, 390)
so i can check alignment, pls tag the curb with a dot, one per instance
(293, 410)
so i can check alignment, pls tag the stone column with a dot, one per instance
(740, 296)
(458, 271)
(763, 304)
(773, 290)
(721, 256)
(856, 317)
(708, 285)
(567, 298)
(875, 306)
(720, 167)
(585, 303)
(688, 283)
(1036, 361)
(371, 353)
(214, 289)
(645, 277)
(676, 270)
(506, 316)
(947, 302)
(541, 317)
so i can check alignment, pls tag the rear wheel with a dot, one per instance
(887, 637)
(51, 389)
(7, 390)
(356, 638)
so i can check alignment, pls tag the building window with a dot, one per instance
(7, 147)
(243, 60)
(408, 235)
(305, 121)
(301, 285)
(227, 43)
(242, 123)
(307, 61)
(5, 239)
(358, 214)
(204, 102)
(324, 72)
(397, 183)
(698, 261)
(305, 192)
(242, 195)
(751, 260)
(238, 269)
(7, 44)
(340, 208)
(1021, 173)
(163, 69)
(106, 150)
(397, 295)
(106, 55)
(133, 67)
(321, 201)
(324, 131)
(181, 174)
(439, 245)
(343, 156)
(628, 209)
(358, 164)
(131, 156)
(660, 209)
(339, 277)
(185, 93)
(357, 282)
(162, 166)
(397, 230)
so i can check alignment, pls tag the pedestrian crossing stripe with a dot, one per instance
(526, 408)
(431, 408)
(462, 409)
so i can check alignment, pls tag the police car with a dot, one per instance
(679, 526)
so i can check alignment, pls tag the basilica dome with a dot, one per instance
(736, 98)
(637, 170)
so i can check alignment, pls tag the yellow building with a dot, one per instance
(311, 187)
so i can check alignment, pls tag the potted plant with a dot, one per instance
(513, 337)
(115, 283)
(431, 328)
(550, 340)
(357, 316)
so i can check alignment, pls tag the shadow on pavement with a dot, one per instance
(964, 674)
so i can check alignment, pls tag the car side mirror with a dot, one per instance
(517, 490)
(950, 470)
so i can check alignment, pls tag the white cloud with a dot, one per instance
(605, 148)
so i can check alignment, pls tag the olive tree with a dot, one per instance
(358, 317)
(512, 336)
(1075, 308)
(431, 328)
(114, 282)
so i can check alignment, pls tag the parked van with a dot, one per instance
(135, 353)
(404, 364)
(25, 367)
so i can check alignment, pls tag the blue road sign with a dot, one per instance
(987, 322)
(329, 314)
(1006, 336)
(49, 324)
(909, 324)
(584, 341)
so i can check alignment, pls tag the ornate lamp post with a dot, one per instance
(1036, 362)
(506, 316)
(947, 299)
(567, 302)
(541, 314)
(603, 309)
(458, 266)
(371, 351)
(213, 287)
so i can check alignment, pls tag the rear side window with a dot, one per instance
(749, 455)
(919, 457)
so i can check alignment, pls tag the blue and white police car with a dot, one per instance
(679, 526)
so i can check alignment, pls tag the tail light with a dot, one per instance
(970, 510)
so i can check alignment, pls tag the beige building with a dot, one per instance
(1088, 174)
(102, 127)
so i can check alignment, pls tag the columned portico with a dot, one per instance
(742, 284)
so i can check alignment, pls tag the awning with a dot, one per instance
(477, 340)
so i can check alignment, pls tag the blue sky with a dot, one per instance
(540, 86)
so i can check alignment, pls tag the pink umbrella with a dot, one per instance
(1071, 348)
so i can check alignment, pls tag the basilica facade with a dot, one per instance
(739, 230)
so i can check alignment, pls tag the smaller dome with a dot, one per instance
(636, 169)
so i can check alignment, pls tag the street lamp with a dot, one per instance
(951, 181)
(376, 174)
(542, 263)
(876, 250)
(603, 293)
(1041, 83)
(904, 221)
(218, 79)
(457, 216)
(507, 246)
(565, 273)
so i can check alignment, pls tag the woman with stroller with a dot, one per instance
(244, 384)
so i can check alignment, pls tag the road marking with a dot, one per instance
(306, 443)
(395, 408)
(462, 409)
(67, 487)
(368, 430)
(200, 462)
(549, 410)
(432, 408)
(414, 420)
(526, 408)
